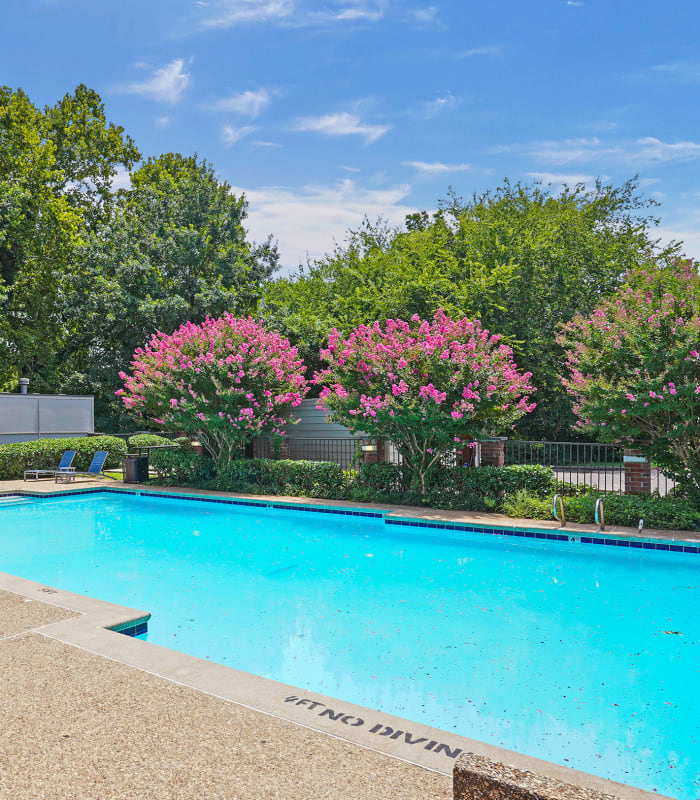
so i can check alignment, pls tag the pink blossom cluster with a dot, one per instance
(634, 363)
(229, 375)
(442, 371)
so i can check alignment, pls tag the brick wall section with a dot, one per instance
(637, 472)
(377, 456)
(284, 448)
(493, 452)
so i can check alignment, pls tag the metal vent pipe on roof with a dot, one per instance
(23, 385)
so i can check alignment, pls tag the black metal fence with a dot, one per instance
(347, 452)
(578, 465)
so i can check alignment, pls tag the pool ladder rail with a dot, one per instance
(600, 514)
(561, 519)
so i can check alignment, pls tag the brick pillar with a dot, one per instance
(284, 448)
(493, 451)
(637, 472)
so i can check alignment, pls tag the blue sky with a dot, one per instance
(325, 111)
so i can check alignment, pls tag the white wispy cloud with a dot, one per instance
(248, 103)
(296, 13)
(263, 143)
(493, 51)
(442, 103)
(570, 180)
(648, 150)
(350, 14)
(342, 123)
(226, 13)
(437, 167)
(682, 227)
(308, 220)
(574, 3)
(424, 15)
(166, 84)
(121, 180)
(163, 122)
(230, 135)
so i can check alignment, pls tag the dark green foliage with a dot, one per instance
(669, 512)
(469, 489)
(148, 440)
(268, 476)
(381, 478)
(46, 453)
(182, 467)
(173, 250)
(522, 259)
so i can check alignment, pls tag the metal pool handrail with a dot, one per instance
(600, 514)
(562, 519)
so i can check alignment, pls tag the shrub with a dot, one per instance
(381, 478)
(148, 440)
(465, 488)
(17, 457)
(674, 513)
(302, 478)
(182, 467)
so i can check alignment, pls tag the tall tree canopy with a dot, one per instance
(56, 168)
(174, 250)
(522, 259)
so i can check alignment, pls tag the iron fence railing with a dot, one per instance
(578, 465)
(346, 452)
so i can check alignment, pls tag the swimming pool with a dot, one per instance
(581, 654)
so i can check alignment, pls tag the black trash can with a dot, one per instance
(135, 468)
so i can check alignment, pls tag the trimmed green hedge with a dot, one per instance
(269, 476)
(147, 440)
(465, 488)
(182, 467)
(17, 457)
(669, 512)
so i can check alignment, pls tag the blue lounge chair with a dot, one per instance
(63, 466)
(93, 471)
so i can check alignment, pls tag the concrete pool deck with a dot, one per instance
(88, 713)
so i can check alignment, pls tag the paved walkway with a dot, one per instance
(79, 726)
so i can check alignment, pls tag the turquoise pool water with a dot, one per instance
(581, 654)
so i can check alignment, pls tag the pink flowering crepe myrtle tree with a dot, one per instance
(224, 381)
(634, 368)
(427, 386)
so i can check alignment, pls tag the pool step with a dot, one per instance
(14, 501)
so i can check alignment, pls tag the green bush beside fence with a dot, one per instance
(469, 489)
(669, 512)
(17, 457)
(182, 467)
(147, 440)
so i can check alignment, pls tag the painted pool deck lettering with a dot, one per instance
(378, 728)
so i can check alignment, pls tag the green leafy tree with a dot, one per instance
(634, 368)
(522, 259)
(56, 168)
(174, 250)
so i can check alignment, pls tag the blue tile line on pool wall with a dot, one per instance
(643, 544)
(134, 630)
